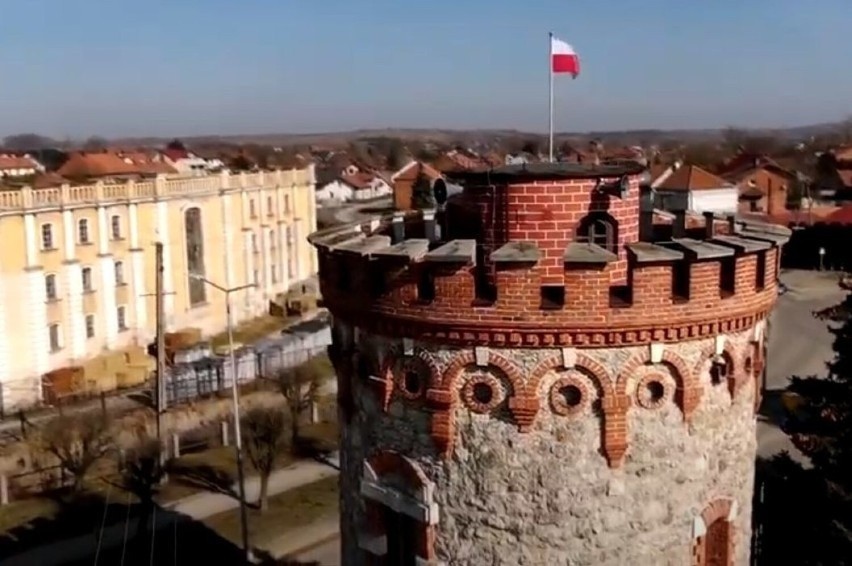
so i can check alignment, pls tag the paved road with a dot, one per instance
(799, 344)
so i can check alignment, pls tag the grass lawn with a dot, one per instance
(287, 511)
(25, 511)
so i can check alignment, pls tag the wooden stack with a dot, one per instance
(63, 383)
(138, 365)
(181, 340)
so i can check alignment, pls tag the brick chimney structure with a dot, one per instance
(523, 380)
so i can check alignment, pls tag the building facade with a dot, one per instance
(540, 384)
(79, 262)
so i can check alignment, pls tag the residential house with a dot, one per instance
(15, 166)
(404, 179)
(105, 165)
(763, 183)
(834, 175)
(461, 160)
(188, 163)
(78, 267)
(694, 189)
(359, 186)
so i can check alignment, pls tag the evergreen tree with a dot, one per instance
(821, 427)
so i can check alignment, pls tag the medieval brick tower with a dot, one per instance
(547, 372)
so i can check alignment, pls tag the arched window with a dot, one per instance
(195, 256)
(713, 543)
(599, 228)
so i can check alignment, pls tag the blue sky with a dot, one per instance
(170, 67)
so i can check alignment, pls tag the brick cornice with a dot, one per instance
(463, 333)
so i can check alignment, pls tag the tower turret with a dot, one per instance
(526, 377)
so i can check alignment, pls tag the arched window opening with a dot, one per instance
(194, 237)
(716, 543)
(600, 229)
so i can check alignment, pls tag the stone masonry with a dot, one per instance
(540, 373)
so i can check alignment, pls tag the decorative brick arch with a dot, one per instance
(713, 534)
(386, 383)
(614, 405)
(442, 397)
(735, 378)
(381, 495)
(689, 390)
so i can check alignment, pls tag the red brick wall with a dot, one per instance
(549, 213)
(587, 303)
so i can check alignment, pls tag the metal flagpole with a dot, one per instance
(550, 74)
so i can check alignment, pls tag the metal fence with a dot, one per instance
(199, 373)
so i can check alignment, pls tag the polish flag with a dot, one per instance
(562, 58)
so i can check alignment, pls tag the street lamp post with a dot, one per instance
(238, 442)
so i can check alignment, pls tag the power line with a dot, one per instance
(103, 524)
(126, 529)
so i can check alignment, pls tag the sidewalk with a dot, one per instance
(197, 507)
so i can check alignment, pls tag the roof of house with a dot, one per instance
(414, 168)
(96, 164)
(843, 153)
(845, 176)
(358, 180)
(147, 163)
(12, 161)
(692, 178)
(842, 215)
(175, 153)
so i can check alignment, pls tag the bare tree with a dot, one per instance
(77, 442)
(300, 388)
(142, 476)
(265, 438)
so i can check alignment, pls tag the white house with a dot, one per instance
(692, 188)
(18, 165)
(355, 187)
(188, 163)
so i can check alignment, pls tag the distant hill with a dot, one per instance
(447, 136)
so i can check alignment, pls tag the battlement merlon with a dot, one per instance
(399, 268)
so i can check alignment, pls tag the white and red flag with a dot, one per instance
(563, 58)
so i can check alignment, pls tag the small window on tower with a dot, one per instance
(601, 229)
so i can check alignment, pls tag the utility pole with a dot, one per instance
(159, 390)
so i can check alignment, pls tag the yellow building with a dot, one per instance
(78, 263)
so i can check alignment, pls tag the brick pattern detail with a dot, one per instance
(688, 392)
(559, 404)
(735, 377)
(392, 463)
(643, 395)
(392, 374)
(442, 397)
(718, 510)
(469, 396)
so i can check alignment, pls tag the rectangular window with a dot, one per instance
(87, 279)
(90, 326)
(256, 277)
(272, 239)
(55, 337)
(680, 281)
(47, 237)
(273, 274)
(290, 236)
(552, 297)
(50, 287)
(287, 204)
(121, 318)
(116, 227)
(270, 208)
(760, 271)
(83, 231)
(254, 247)
(252, 210)
(727, 276)
(119, 273)
(426, 286)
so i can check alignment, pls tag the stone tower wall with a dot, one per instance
(609, 428)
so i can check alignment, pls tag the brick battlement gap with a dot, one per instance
(550, 255)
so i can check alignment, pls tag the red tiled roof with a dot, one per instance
(692, 178)
(47, 180)
(11, 161)
(358, 180)
(175, 154)
(845, 176)
(96, 164)
(842, 215)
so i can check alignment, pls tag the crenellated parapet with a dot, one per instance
(395, 275)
